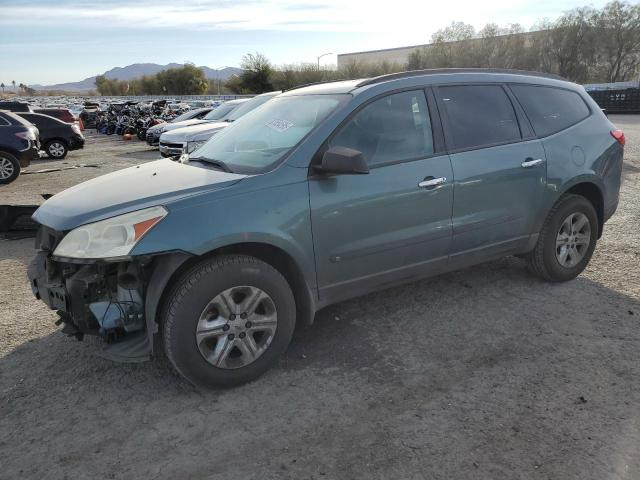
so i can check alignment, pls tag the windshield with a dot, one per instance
(184, 116)
(246, 107)
(268, 133)
(221, 112)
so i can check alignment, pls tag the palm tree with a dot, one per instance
(14, 85)
(2, 87)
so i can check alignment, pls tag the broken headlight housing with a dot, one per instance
(110, 238)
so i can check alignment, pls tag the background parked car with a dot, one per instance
(63, 114)
(153, 133)
(57, 136)
(18, 145)
(187, 139)
(16, 106)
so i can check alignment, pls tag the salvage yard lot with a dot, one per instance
(483, 373)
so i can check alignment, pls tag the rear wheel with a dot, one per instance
(56, 149)
(9, 168)
(227, 320)
(567, 240)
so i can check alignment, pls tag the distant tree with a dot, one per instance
(450, 45)
(257, 73)
(13, 82)
(2, 86)
(573, 42)
(618, 32)
(235, 85)
(185, 80)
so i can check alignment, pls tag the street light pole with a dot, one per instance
(323, 55)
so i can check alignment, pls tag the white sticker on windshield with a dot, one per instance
(279, 125)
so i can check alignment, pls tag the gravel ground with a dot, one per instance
(483, 373)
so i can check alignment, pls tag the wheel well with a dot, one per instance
(274, 256)
(7, 151)
(62, 140)
(591, 192)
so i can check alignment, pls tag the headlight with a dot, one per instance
(113, 237)
(193, 146)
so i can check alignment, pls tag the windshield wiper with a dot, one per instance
(215, 163)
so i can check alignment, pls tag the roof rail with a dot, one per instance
(433, 71)
(312, 83)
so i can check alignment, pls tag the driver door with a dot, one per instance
(394, 223)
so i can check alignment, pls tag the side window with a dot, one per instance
(393, 128)
(550, 109)
(479, 115)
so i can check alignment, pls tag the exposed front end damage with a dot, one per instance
(114, 300)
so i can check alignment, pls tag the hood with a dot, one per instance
(134, 188)
(184, 123)
(187, 133)
(166, 126)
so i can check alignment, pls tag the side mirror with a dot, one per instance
(343, 160)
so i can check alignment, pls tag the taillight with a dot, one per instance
(28, 135)
(76, 128)
(619, 136)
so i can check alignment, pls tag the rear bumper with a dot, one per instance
(30, 153)
(610, 210)
(76, 143)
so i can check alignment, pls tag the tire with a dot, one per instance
(56, 149)
(553, 258)
(194, 304)
(9, 168)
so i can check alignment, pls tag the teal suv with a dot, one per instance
(324, 193)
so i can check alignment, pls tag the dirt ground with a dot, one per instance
(486, 373)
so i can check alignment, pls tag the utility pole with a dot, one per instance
(323, 55)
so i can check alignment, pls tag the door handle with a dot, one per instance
(432, 182)
(530, 162)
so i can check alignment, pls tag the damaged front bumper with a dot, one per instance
(114, 300)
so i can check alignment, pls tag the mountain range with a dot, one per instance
(134, 71)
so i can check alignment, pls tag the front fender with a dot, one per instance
(271, 209)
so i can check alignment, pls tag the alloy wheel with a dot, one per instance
(573, 239)
(236, 327)
(56, 149)
(6, 168)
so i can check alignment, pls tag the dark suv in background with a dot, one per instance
(63, 114)
(16, 106)
(19, 145)
(56, 136)
(321, 194)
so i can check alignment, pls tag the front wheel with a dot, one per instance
(227, 320)
(567, 240)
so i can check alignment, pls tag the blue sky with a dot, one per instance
(55, 41)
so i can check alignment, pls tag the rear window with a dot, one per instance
(550, 109)
(41, 119)
(15, 106)
(15, 119)
(479, 115)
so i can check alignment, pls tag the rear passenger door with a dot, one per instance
(499, 170)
